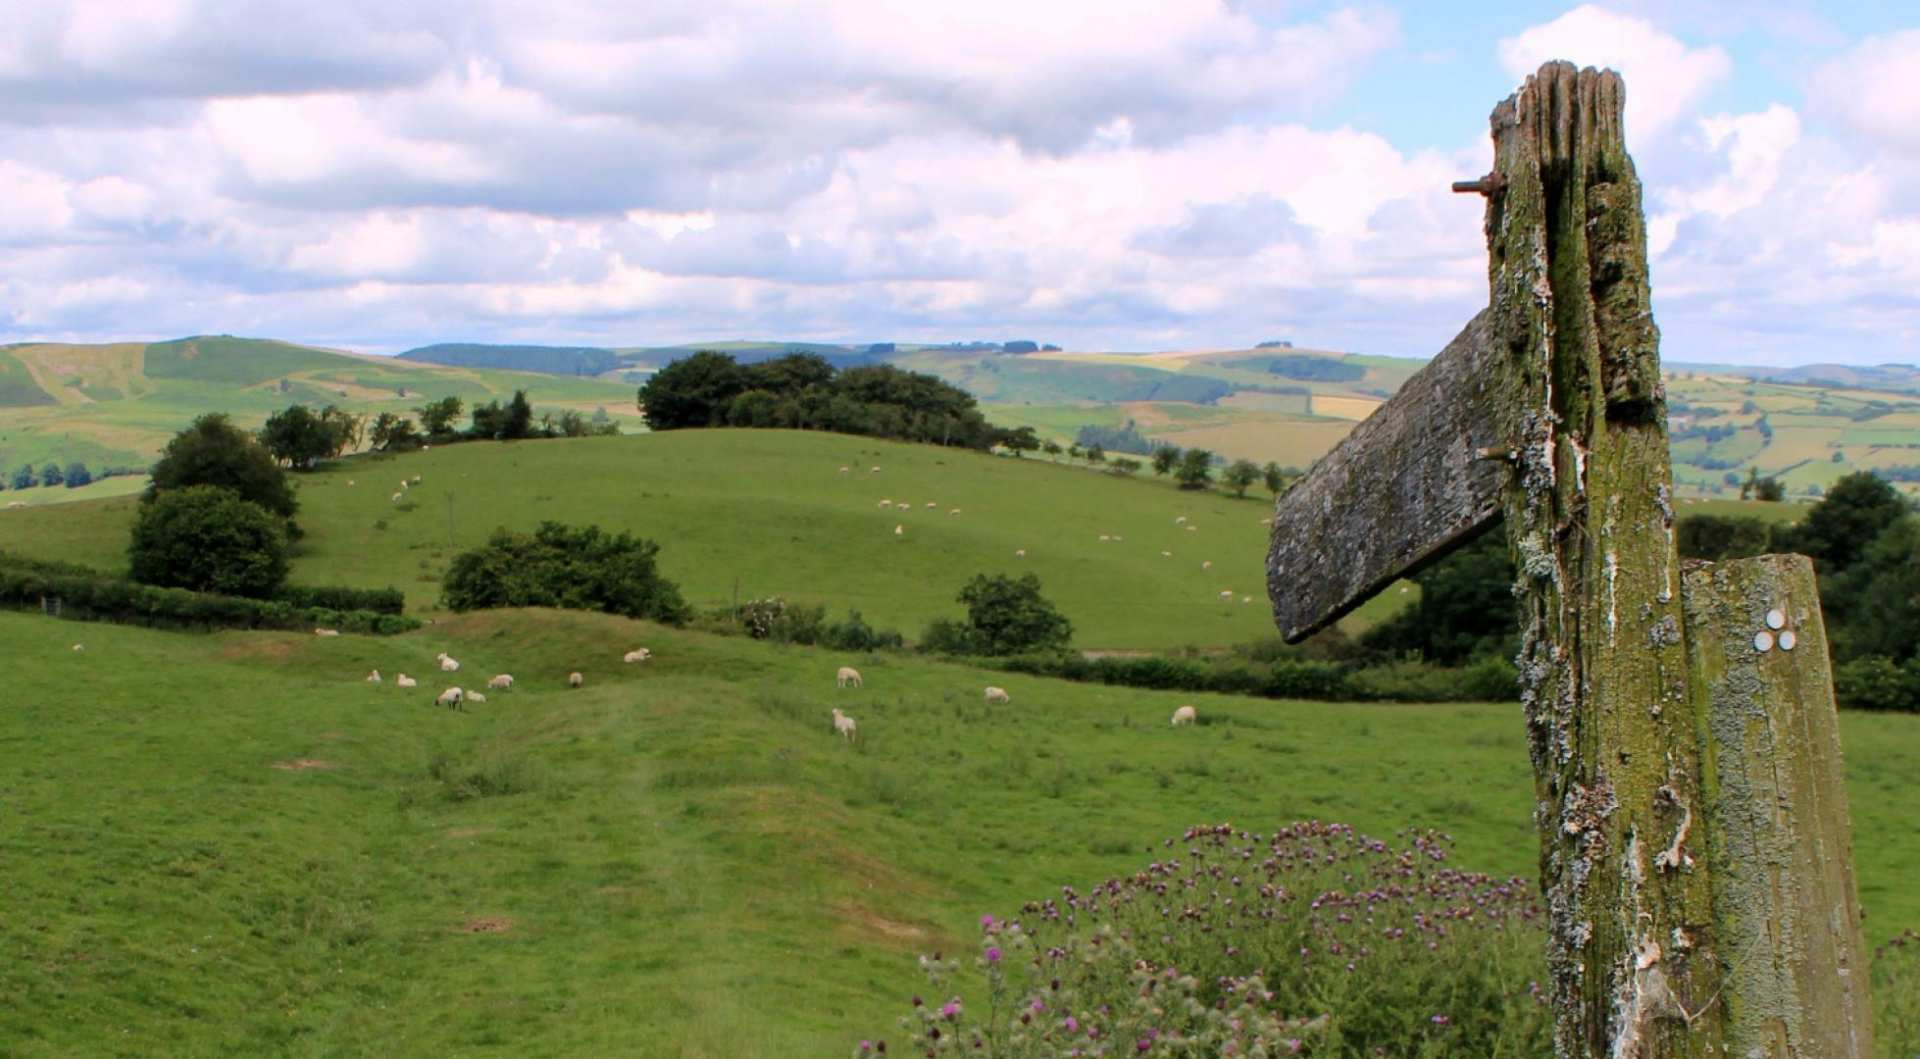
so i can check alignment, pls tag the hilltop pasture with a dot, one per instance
(767, 512)
(232, 844)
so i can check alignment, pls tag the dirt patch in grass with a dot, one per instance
(254, 647)
(871, 922)
(302, 764)
(487, 925)
(466, 832)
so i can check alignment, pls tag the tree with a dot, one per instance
(52, 475)
(1195, 469)
(576, 567)
(23, 478)
(694, 391)
(1275, 478)
(1716, 537)
(392, 433)
(1052, 449)
(1020, 440)
(1858, 508)
(1869, 604)
(1165, 459)
(298, 436)
(437, 417)
(1126, 466)
(215, 452)
(77, 475)
(206, 538)
(1241, 475)
(1761, 488)
(488, 420)
(1466, 608)
(1096, 454)
(1007, 615)
(517, 421)
(344, 428)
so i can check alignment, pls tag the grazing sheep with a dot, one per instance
(373, 677)
(1226, 595)
(79, 647)
(448, 665)
(416, 479)
(1020, 553)
(397, 496)
(844, 469)
(843, 724)
(1206, 564)
(848, 677)
(405, 681)
(899, 531)
(1166, 555)
(16, 504)
(637, 655)
(1191, 529)
(326, 632)
(1185, 715)
(574, 679)
(886, 503)
(503, 682)
(875, 470)
(474, 696)
(1246, 599)
(1117, 538)
(1104, 537)
(349, 481)
(932, 504)
(403, 483)
(451, 698)
(955, 511)
(997, 695)
(1181, 521)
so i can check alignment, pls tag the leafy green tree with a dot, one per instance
(1716, 537)
(298, 436)
(344, 429)
(1761, 488)
(1835, 531)
(52, 475)
(1241, 475)
(206, 538)
(1870, 606)
(1052, 449)
(23, 478)
(488, 420)
(1008, 615)
(1126, 466)
(1020, 440)
(1165, 459)
(393, 433)
(1466, 608)
(1274, 477)
(517, 422)
(215, 452)
(576, 567)
(437, 417)
(77, 475)
(1195, 470)
(753, 408)
(1096, 454)
(694, 391)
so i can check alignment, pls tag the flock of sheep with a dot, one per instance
(849, 677)
(456, 697)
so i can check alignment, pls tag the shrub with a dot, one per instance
(215, 452)
(578, 568)
(758, 616)
(1876, 683)
(1315, 940)
(1006, 615)
(208, 539)
(855, 634)
(943, 636)
(377, 600)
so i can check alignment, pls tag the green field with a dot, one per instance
(766, 512)
(231, 844)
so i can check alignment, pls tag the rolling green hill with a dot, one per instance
(116, 405)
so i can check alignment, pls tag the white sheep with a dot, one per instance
(1104, 538)
(349, 482)
(503, 682)
(1206, 564)
(899, 530)
(451, 698)
(886, 503)
(474, 696)
(874, 470)
(637, 655)
(845, 469)
(416, 479)
(405, 681)
(1020, 553)
(1166, 555)
(397, 496)
(955, 511)
(1118, 538)
(1185, 715)
(932, 504)
(1191, 529)
(848, 677)
(843, 724)
(998, 695)
(1181, 521)
(403, 484)
(448, 665)
(79, 647)
(326, 632)
(574, 679)
(373, 677)
(1226, 595)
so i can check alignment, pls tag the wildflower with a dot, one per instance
(986, 921)
(993, 954)
(951, 1009)
(1441, 1020)
(1072, 1024)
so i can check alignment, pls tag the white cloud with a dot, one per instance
(1665, 79)
(1871, 88)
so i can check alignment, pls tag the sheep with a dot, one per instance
(1226, 595)
(874, 470)
(844, 469)
(1181, 521)
(373, 677)
(1185, 715)
(575, 680)
(843, 724)
(848, 677)
(1166, 554)
(997, 695)
(1020, 553)
(1191, 529)
(397, 496)
(474, 696)
(955, 511)
(403, 484)
(899, 530)
(886, 503)
(637, 655)
(1118, 538)
(448, 665)
(349, 483)
(932, 504)
(503, 682)
(79, 647)
(451, 698)
(1206, 564)
(405, 681)
(1104, 538)
(326, 632)
(416, 479)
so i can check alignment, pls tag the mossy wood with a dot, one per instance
(1665, 938)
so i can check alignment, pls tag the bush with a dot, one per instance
(377, 600)
(1315, 940)
(944, 636)
(1007, 615)
(215, 452)
(855, 634)
(207, 539)
(1876, 683)
(578, 568)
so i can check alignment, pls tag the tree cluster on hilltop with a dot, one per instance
(803, 391)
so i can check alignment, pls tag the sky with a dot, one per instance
(1098, 174)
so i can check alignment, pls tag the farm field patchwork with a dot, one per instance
(679, 859)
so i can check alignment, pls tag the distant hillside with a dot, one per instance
(747, 352)
(115, 405)
(548, 360)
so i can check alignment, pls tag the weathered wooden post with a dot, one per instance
(1693, 848)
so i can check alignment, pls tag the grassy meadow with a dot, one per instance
(232, 844)
(768, 513)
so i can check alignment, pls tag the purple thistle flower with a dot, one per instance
(993, 954)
